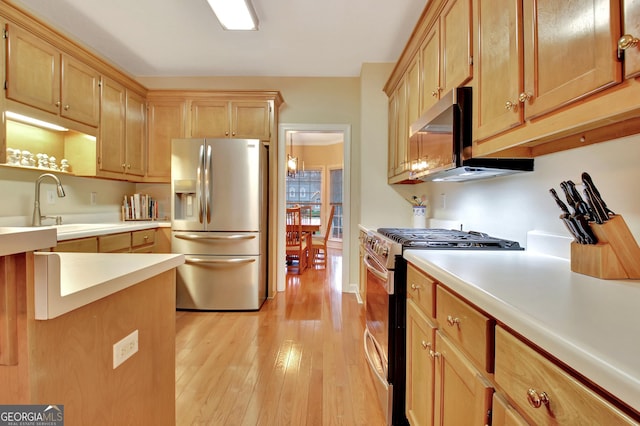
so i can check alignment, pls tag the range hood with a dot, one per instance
(443, 135)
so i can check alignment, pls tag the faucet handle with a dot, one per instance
(58, 220)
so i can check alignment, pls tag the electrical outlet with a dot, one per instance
(125, 348)
(93, 198)
(51, 197)
(443, 201)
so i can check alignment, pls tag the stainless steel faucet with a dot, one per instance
(37, 216)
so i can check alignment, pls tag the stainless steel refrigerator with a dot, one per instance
(219, 222)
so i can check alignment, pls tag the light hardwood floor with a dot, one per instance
(298, 361)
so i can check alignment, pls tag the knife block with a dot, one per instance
(615, 256)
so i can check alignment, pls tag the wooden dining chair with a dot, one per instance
(297, 242)
(319, 242)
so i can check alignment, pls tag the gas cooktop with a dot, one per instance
(434, 238)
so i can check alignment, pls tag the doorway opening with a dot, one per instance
(320, 181)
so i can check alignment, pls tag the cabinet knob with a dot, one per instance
(627, 41)
(58, 103)
(66, 107)
(124, 166)
(425, 345)
(524, 97)
(452, 321)
(146, 237)
(433, 354)
(511, 106)
(226, 133)
(128, 166)
(535, 399)
(436, 92)
(415, 287)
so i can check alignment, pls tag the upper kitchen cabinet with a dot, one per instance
(230, 119)
(167, 120)
(121, 144)
(630, 42)
(446, 52)
(549, 75)
(39, 75)
(566, 55)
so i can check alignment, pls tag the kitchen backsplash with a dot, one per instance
(511, 206)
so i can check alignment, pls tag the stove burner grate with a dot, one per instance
(435, 238)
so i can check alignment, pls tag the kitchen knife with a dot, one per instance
(599, 214)
(581, 215)
(597, 198)
(566, 218)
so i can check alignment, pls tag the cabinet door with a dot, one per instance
(455, 31)
(250, 120)
(112, 127)
(499, 61)
(135, 140)
(402, 129)
(632, 27)
(503, 414)
(393, 134)
(166, 122)
(33, 70)
(80, 95)
(430, 63)
(420, 366)
(462, 394)
(210, 119)
(570, 51)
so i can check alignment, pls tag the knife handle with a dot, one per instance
(559, 202)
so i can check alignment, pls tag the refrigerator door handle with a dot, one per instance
(208, 183)
(204, 260)
(214, 237)
(199, 184)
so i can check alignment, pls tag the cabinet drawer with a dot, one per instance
(83, 245)
(421, 289)
(467, 327)
(140, 238)
(503, 414)
(115, 243)
(526, 376)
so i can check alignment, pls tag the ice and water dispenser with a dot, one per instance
(185, 200)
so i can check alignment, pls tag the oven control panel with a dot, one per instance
(381, 248)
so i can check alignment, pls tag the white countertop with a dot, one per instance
(22, 239)
(81, 230)
(593, 325)
(67, 281)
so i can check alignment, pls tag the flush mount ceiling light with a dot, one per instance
(235, 15)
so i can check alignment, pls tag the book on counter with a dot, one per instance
(139, 207)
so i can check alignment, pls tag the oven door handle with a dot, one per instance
(377, 371)
(372, 268)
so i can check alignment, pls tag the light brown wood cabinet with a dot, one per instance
(80, 245)
(142, 241)
(631, 26)
(167, 120)
(448, 342)
(122, 143)
(559, 62)
(230, 119)
(441, 62)
(543, 392)
(41, 76)
(462, 368)
(462, 392)
(421, 342)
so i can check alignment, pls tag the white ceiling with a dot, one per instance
(296, 38)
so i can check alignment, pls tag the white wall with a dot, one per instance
(510, 206)
(18, 196)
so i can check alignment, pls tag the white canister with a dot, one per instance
(419, 216)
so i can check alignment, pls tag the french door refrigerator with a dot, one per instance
(219, 222)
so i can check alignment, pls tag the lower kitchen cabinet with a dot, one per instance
(114, 243)
(421, 337)
(543, 392)
(143, 241)
(503, 414)
(462, 393)
(80, 245)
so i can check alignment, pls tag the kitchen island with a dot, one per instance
(589, 325)
(62, 315)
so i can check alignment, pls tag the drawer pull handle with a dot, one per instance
(425, 345)
(433, 354)
(452, 321)
(537, 399)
